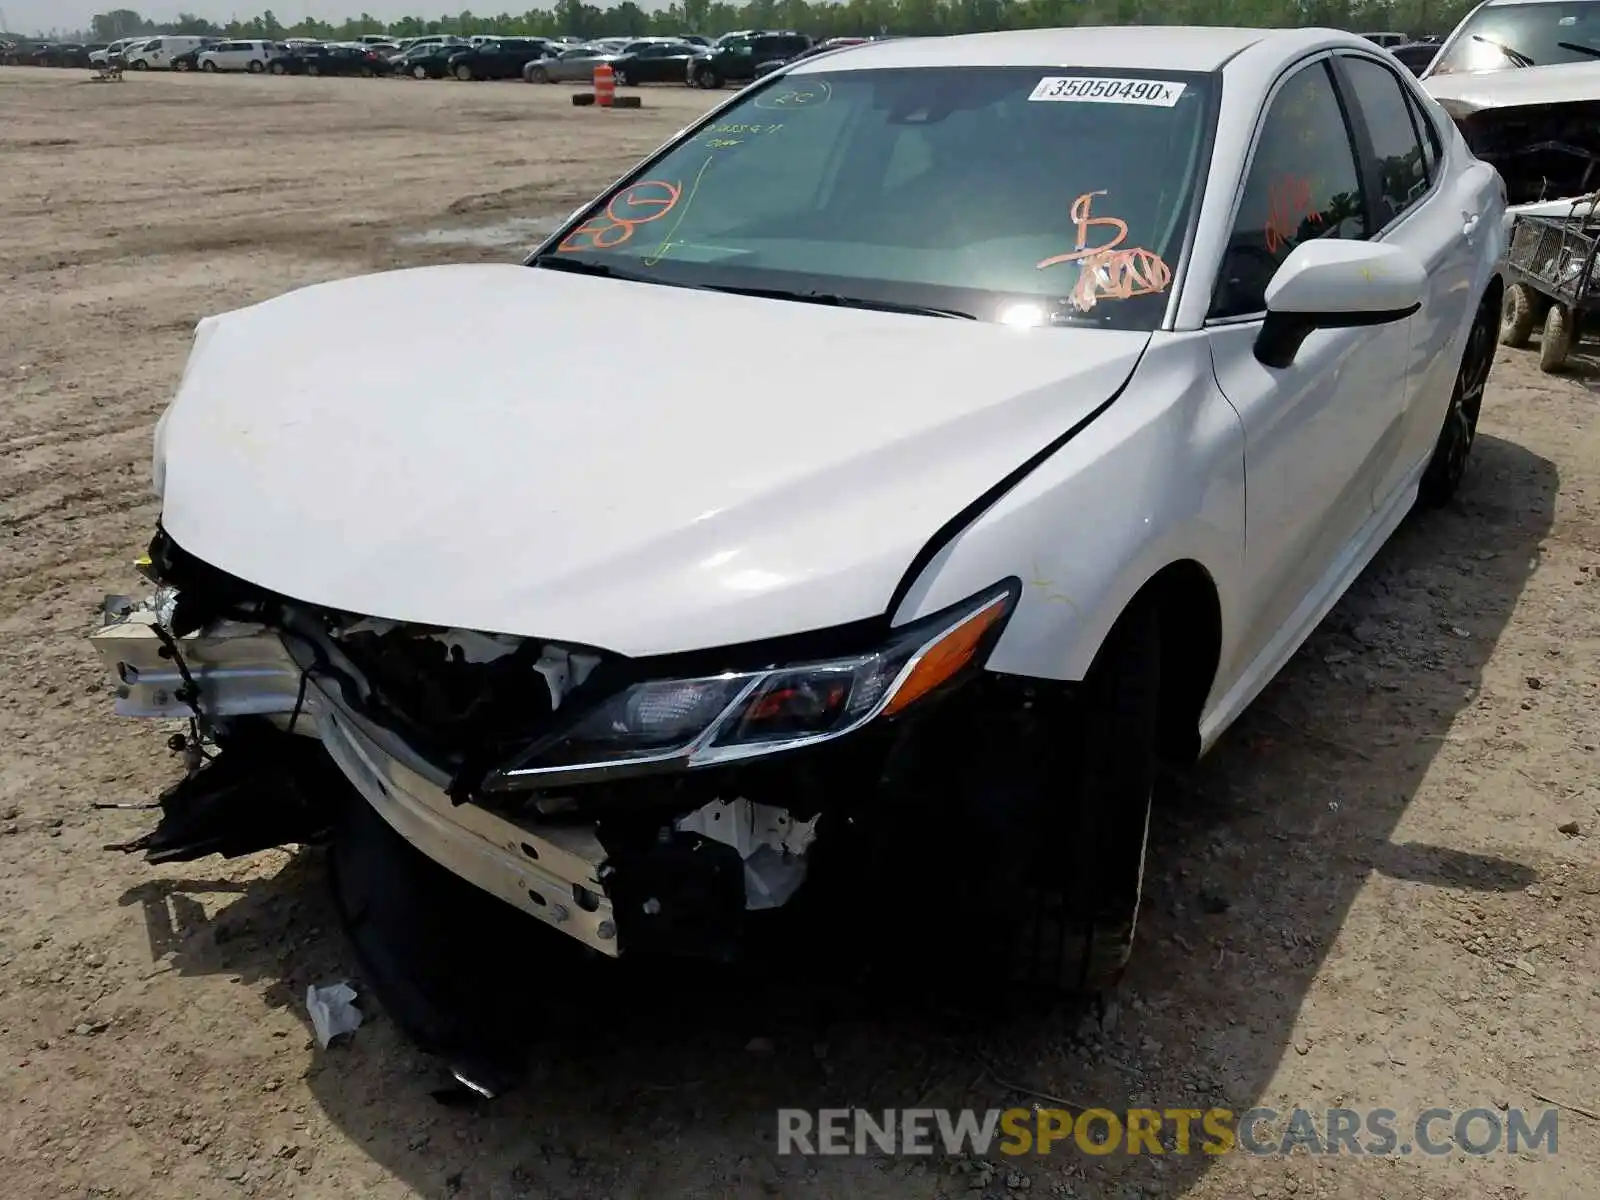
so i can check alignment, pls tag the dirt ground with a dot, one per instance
(1381, 890)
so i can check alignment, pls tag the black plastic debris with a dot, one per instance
(259, 790)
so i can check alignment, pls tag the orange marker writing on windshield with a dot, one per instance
(612, 228)
(1084, 221)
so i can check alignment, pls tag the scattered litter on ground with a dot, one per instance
(333, 1011)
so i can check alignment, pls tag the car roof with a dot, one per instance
(1171, 48)
(1257, 52)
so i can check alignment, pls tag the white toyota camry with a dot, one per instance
(1048, 387)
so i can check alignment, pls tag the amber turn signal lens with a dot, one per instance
(941, 661)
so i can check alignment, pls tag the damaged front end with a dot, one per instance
(1545, 151)
(637, 807)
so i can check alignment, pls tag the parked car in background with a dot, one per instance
(432, 39)
(502, 58)
(1521, 78)
(361, 60)
(112, 53)
(735, 59)
(251, 56)
(157, 53)
(1387, 38)
(838, 43)
(1027, 514)
(189, 60)
(573, 63)
(653, 62)
(65, 54)
(426, 60)
(1415, 55)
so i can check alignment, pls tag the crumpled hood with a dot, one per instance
(1462, 93)
(637, 467)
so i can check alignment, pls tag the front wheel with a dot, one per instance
(709, 79)
(621, 79)
(1050, 871)
(313, 69)
(257, 66)
(464, 73)
(537, 75)
(141, 65)
(1555, 343)
(278, 68)
(419, 72)
(1443, 474)
(1088, 877)
(1518, 315)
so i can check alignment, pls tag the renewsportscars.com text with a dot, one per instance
(1181, 1131)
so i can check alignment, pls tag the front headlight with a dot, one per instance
(681, 724)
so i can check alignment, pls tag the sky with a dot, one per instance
(32, 16)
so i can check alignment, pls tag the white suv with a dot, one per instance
(239, 56)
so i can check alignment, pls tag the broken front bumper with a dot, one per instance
(241, 670)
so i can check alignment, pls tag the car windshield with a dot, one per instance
(1506, 36)
(992, 193)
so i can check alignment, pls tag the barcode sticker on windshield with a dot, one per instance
(1098, 89)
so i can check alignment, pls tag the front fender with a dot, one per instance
(1156, 479)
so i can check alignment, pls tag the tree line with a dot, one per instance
(832, 18)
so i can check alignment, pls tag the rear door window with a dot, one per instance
(1402, 169)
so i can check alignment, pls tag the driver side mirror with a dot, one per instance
(1332, 284)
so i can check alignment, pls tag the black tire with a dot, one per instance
(709, 78)
(464, 73)
(1054, 825)
(278, 68)
(180, 64)
(313, 69)
(418, 71)
(538, 75)
(1090, 873)
(139, 64)
(1443, 474)
(367, 72)
(1519, 313)
(256, 66)
(209, 67)
(1555, 343)
(621, 79)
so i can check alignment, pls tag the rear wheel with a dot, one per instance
(1555, 343)
(622, 79)
(257, 66)
(313, 69)
(180, 64)
(419, 72)
(278, 68)
(1449, 462)
(709, 78)
(1518, 315)
(464, 73)
(139, 64)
